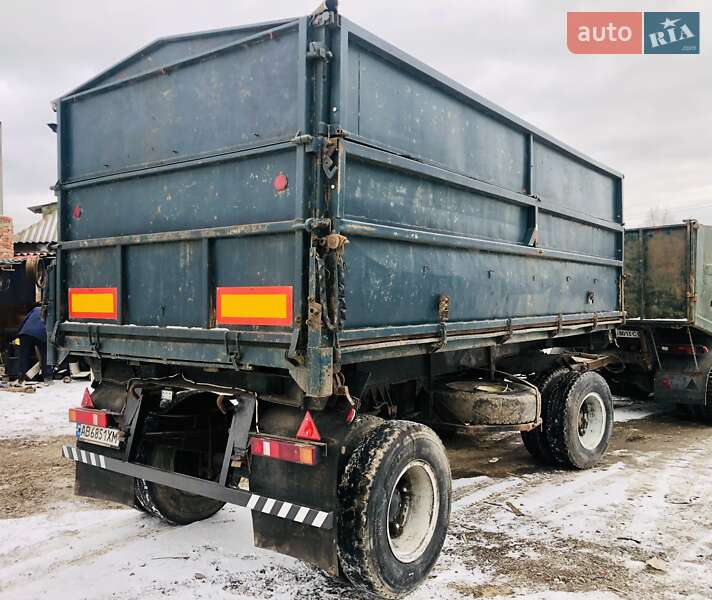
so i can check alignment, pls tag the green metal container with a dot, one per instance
(668, 275)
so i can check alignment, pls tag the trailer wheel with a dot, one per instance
(535, 440)
(703, 412)
(172, 505)
(394, 499)
(581, 420)
(700, 412)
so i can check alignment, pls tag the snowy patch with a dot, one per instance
(547, 535)
(41, 414)
(629, 410)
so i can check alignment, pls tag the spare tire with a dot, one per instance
(489, 403)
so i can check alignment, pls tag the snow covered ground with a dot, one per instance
(637, 526)
(628, 410)
(42, 413)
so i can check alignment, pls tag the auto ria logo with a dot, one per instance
(633, 32)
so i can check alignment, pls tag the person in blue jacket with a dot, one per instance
(33, 344)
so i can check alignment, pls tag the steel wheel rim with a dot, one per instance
(413, 508)
(591, 422)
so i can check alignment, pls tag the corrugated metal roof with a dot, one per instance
(40, 208)
(45, 230)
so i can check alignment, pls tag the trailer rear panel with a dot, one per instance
(669, 275)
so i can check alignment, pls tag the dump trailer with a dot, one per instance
(289, 251)
(665, 344)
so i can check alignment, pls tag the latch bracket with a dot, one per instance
(318, 51)
(232, 348)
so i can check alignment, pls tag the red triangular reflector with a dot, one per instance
(308, 430)
(86, 399)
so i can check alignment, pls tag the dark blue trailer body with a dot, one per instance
(168, 191)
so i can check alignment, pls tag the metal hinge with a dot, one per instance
(232, 347)
(320, 227)
(330, 166)
(510, 331)
(94, 340)
(442, 342)
(318, 51)
(533, 237)
(312, 145)
(325, 14)
(292, 354)
(314, 317)
(330, 157)
(594, 323)
(302, 139)
(443, 307)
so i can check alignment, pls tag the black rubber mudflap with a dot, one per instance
(315, 546)
(314, 487)
(102, 484)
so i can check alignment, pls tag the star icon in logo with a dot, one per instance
(668, 22)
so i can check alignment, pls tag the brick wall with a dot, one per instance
(6, 237)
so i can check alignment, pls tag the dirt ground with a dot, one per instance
(33, 475)
(636, 526)
(646, 506)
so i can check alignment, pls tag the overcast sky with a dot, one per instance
(647, 116)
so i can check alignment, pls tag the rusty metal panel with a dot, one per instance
(398, 109)
(703, 274)
(661, 272)
(390, 100)
(242, 158)
(421, 233)
(169, 50)
(236, 189)
(178, 175)
(199, 105)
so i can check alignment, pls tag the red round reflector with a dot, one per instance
(77, 212)
(280, 182)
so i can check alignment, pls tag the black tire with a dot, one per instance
(535, 440)
(686, 411)
(172, 505)
(702, 412)
(392, 461)
(571, 423)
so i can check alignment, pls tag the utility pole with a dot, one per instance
(1, 207)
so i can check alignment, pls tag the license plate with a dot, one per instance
(627, 333)
(102, 436)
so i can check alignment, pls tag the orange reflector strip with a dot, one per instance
(263, 305)
(93, 303)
